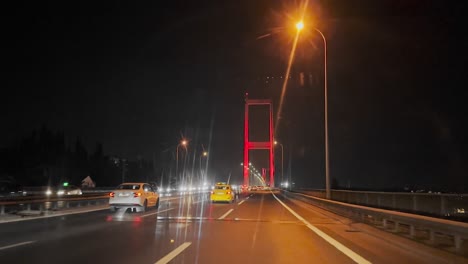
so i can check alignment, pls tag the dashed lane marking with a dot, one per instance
(174, 253)
(226, 214)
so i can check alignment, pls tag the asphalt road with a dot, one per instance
(258, 228)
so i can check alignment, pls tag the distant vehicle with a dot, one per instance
(244, 188)
(49, 191)
(69, 190)
(11, 189)
(222, 193)
(137, 196)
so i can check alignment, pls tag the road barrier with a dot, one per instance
(414, 226)
(443, 205)
(37, 205)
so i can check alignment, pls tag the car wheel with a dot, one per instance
(145, 206)
(157, 204)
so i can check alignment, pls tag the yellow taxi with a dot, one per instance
(222, 192)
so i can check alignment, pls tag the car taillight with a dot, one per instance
(111, 194)
(136, 194)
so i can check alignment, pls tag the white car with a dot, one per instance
(136, 196)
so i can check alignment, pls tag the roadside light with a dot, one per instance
(300, 25)
(65, 184)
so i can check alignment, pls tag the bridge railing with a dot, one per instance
(449, 206)
(414, 226)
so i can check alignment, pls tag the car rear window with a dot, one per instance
(128, 187)
(222, 187)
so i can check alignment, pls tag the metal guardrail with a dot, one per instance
(443, 205)
(39, 205)
(414, 226)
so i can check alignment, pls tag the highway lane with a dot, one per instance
(255, 229)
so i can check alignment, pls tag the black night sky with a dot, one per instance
(138, 77)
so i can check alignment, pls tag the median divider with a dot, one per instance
(38, 205)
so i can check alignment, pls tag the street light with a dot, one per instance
(300, 26)
(184, 144)
(282, 160)
(204, 154)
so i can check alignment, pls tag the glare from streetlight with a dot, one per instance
(276, 142)
(205, 153)
(299, 25)
(183, 142)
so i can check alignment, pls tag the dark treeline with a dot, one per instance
(47, 158)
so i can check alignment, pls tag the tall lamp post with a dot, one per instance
(282, 160)
(300, 26)
(204, 154)
(182, 143)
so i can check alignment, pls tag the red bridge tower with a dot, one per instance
(248, 145)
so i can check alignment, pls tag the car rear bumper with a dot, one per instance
(125, 204)
(127, 201)
(221, 198)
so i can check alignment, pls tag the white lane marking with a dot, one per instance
(226, 214)
(157, 212)
(169, 199)
(174, 253)
(241, 202)
(348, 252)
(16, 245)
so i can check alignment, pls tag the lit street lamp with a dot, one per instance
(204, 154)
(182, 143)
(282, 160)
(300, 26)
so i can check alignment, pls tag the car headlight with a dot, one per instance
(48, 192)
(60, 192)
